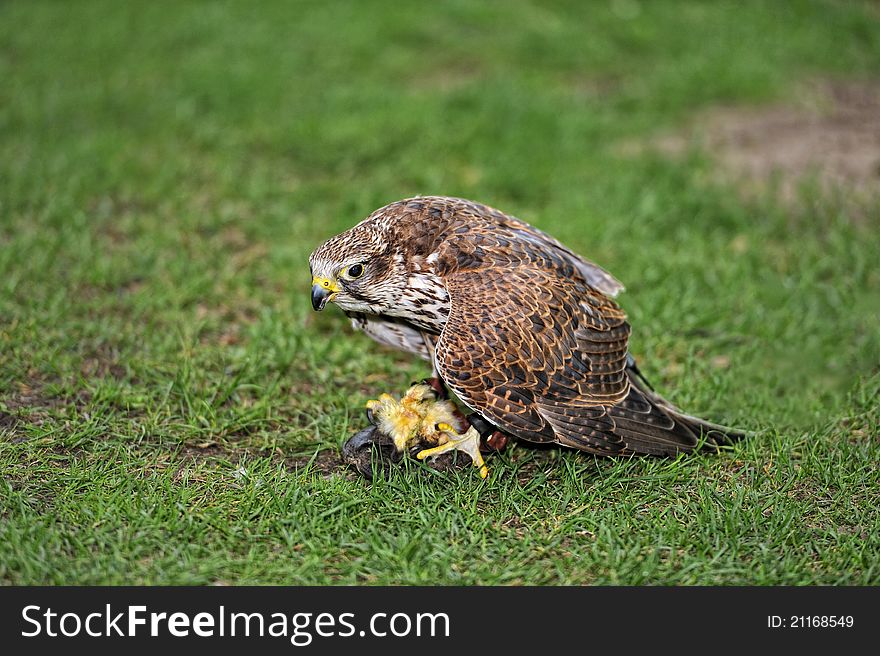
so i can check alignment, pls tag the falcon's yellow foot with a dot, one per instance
(468, 442)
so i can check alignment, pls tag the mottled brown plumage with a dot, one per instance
(522, 329)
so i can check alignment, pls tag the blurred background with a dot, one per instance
(167, 167)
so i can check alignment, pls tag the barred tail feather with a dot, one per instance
(651, 424)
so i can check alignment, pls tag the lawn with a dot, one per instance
(171, 409)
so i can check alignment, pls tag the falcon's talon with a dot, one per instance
(468, 442)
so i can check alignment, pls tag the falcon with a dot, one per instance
(523, 330)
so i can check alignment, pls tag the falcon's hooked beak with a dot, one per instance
(323, 290)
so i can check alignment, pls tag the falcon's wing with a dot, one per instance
(458, 214)
(596, 276)
(540, 355)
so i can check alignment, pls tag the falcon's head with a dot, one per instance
(361, 270)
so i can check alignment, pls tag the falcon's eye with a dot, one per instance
(354, 271)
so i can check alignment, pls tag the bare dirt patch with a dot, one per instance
(103, 361)
(327, 463)
(32, 405)
(827, 133)
(8, 422)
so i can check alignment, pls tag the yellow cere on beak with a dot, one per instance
(326, 283)
(323, 290)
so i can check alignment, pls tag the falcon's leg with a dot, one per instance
(436, 383)
(492, 438)
(469, 442)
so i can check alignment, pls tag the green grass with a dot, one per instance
(166, 168)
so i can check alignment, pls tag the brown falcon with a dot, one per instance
(521, 328)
